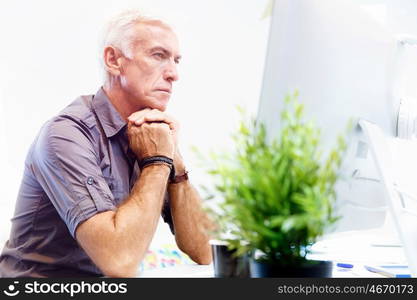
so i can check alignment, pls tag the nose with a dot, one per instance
(171, 72)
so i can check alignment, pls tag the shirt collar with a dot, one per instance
(109, 117)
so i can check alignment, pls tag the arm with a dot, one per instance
(190, 222)
(116, 241)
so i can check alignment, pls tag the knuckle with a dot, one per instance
(133, 115)
(131, 128)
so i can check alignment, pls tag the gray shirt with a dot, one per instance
(79, 165)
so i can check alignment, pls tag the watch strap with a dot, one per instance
(179, 178)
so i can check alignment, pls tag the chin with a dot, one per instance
(161, 107)
(160, 104)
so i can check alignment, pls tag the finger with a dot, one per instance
(158, 125)
(158, 119)
(141, 114)
(139, 121)
(172, 122)
(156, 116)
(151, 119)
(138, 114)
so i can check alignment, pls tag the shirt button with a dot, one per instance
(90, 180)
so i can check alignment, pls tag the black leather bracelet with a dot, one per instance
(156, 160)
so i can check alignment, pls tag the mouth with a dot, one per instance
(168, 91)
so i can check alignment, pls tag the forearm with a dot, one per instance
(190, 222)
(136, 219)
(119, 244)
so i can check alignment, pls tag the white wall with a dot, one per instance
(48, 56)
(401, 19)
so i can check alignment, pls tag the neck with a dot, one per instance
(119, 99)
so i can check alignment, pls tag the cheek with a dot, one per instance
(132, 80)
(142, 80)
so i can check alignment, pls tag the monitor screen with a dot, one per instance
(342, 63)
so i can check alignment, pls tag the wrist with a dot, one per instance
(178, 163)
(158, 161)
(179, 177)
(179, 168)
(159, 166)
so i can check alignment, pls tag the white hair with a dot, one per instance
(119, 32)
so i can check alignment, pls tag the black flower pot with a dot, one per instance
(310, 268)
(226, 264)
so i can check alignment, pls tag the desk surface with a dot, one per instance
(181, 271)
(357, 248)
(199, 271)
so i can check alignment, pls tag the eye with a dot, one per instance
(159, 55)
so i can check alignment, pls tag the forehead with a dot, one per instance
(156, 34)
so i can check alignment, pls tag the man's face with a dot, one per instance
(147, 77)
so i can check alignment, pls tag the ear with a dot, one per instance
(112, 60)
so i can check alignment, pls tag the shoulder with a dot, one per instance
(79, 111)
(73, 129)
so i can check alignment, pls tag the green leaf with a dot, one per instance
(275, 194)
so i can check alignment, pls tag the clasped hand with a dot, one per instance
(153, 133)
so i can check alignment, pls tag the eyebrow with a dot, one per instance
(166, 51)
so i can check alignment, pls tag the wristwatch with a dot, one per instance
(180, 178)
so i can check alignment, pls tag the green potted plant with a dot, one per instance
(278, 194)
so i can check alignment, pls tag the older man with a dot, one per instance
(99, 175)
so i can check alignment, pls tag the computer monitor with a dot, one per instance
(342, 63)
(397, 165)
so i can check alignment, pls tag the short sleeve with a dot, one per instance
(66, 165)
